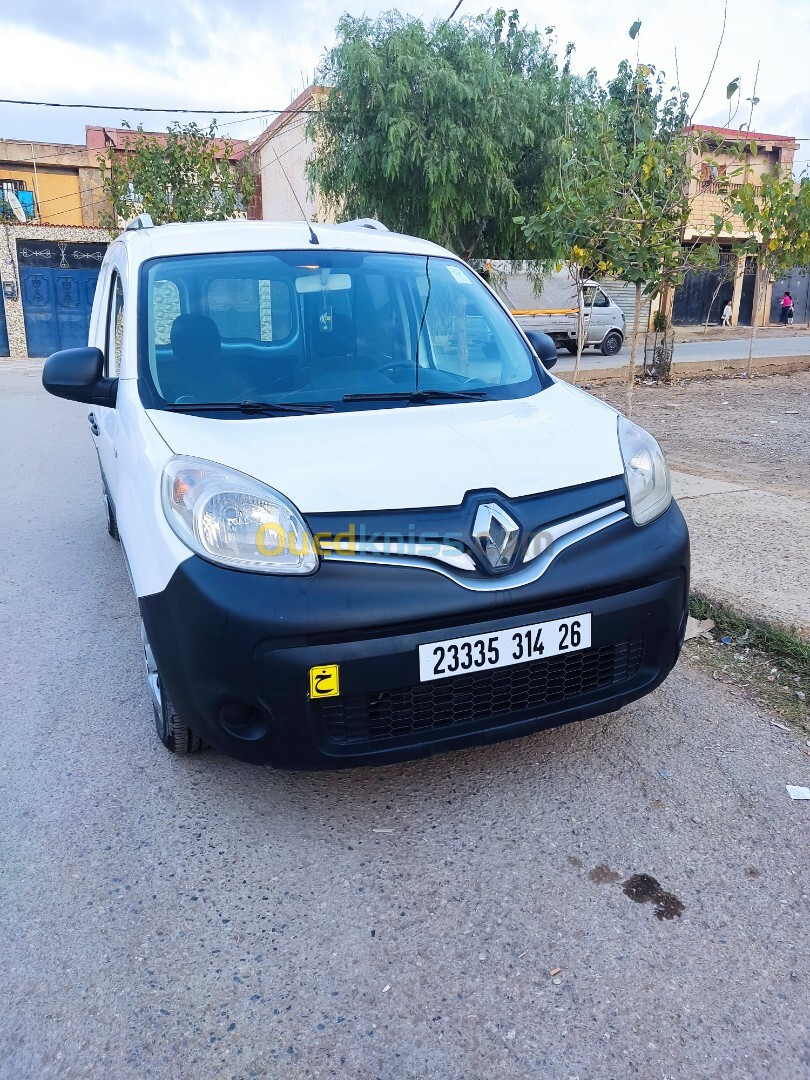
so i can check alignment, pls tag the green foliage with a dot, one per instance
(777, 215)
(642, 107)
(182, 175)
(442, 131)
(623, 198)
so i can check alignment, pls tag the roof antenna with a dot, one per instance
(313, 239)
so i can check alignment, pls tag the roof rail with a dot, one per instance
(142, 221)
(364, 223)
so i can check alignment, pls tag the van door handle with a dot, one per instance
(91, 420)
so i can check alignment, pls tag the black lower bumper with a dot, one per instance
(235, 650)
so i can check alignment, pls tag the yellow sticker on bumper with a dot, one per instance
(324, 681)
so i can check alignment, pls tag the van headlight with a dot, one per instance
(231, 519)
(645, 472)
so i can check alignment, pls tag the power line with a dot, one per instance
(153, 109)
(455, 9)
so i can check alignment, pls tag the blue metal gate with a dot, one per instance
(4, 350)
(57, 282)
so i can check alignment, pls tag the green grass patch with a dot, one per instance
(778, 642)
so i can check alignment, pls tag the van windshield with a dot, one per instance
(320, 327)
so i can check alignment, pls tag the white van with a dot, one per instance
(362, 520)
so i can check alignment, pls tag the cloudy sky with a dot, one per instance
(248, 54)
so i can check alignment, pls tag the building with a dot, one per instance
(733, 158)
(280, 154)
(57, 183)
(49, 260)
(102, 140)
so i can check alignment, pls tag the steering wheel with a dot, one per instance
(389, 367)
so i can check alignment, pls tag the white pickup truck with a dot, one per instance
(553, 310)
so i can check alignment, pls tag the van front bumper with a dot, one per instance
(234, 650)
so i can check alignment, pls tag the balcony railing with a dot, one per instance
(721, 186)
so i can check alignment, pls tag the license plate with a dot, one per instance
(518, 645)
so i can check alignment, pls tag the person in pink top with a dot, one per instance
(786, 314)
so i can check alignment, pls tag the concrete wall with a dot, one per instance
(284, 149)
(293, 149)
(9, 269)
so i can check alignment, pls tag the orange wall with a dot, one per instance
(56, 191)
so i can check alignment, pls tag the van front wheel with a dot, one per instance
(612, 343)
(172, 730)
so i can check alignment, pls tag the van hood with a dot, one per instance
(417, 456)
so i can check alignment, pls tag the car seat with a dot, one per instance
(196, 370)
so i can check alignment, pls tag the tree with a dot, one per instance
(441, 131)
(625, 191)
(185, 174)
(572, 229)
(778, 217)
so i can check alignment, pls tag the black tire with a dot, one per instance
(173, 731)
(572, 347)
(112, 524)
(612, 343)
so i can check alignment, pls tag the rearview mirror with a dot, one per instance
(314, 284)
(78, 375)
(544, 348)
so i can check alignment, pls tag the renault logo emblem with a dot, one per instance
(496, 534)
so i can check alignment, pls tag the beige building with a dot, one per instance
(280, 155)
(733, 158)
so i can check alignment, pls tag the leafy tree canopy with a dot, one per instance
(624, 193)
(776, 212)
(182, 175)
(442, 131)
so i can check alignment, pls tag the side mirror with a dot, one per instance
(544, 348)
(78, 375)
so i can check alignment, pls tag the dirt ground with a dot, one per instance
(753, 432)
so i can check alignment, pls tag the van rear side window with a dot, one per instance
(255, 308)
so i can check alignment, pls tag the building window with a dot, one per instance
(18, 188)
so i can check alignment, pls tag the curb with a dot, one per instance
(762, 365)
(799, 631)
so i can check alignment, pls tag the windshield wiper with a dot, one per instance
(302, 407)
(421, 395)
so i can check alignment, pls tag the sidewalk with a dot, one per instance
(749, 548)
(715, 332)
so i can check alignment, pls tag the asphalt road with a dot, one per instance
(201, 918)
(695, 351)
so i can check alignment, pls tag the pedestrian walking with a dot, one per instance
(786, 306)
(726, 319)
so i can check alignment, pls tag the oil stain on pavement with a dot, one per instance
(646, 890)
(642, 889)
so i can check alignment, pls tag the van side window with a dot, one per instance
(115, 327)
(165, 309)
